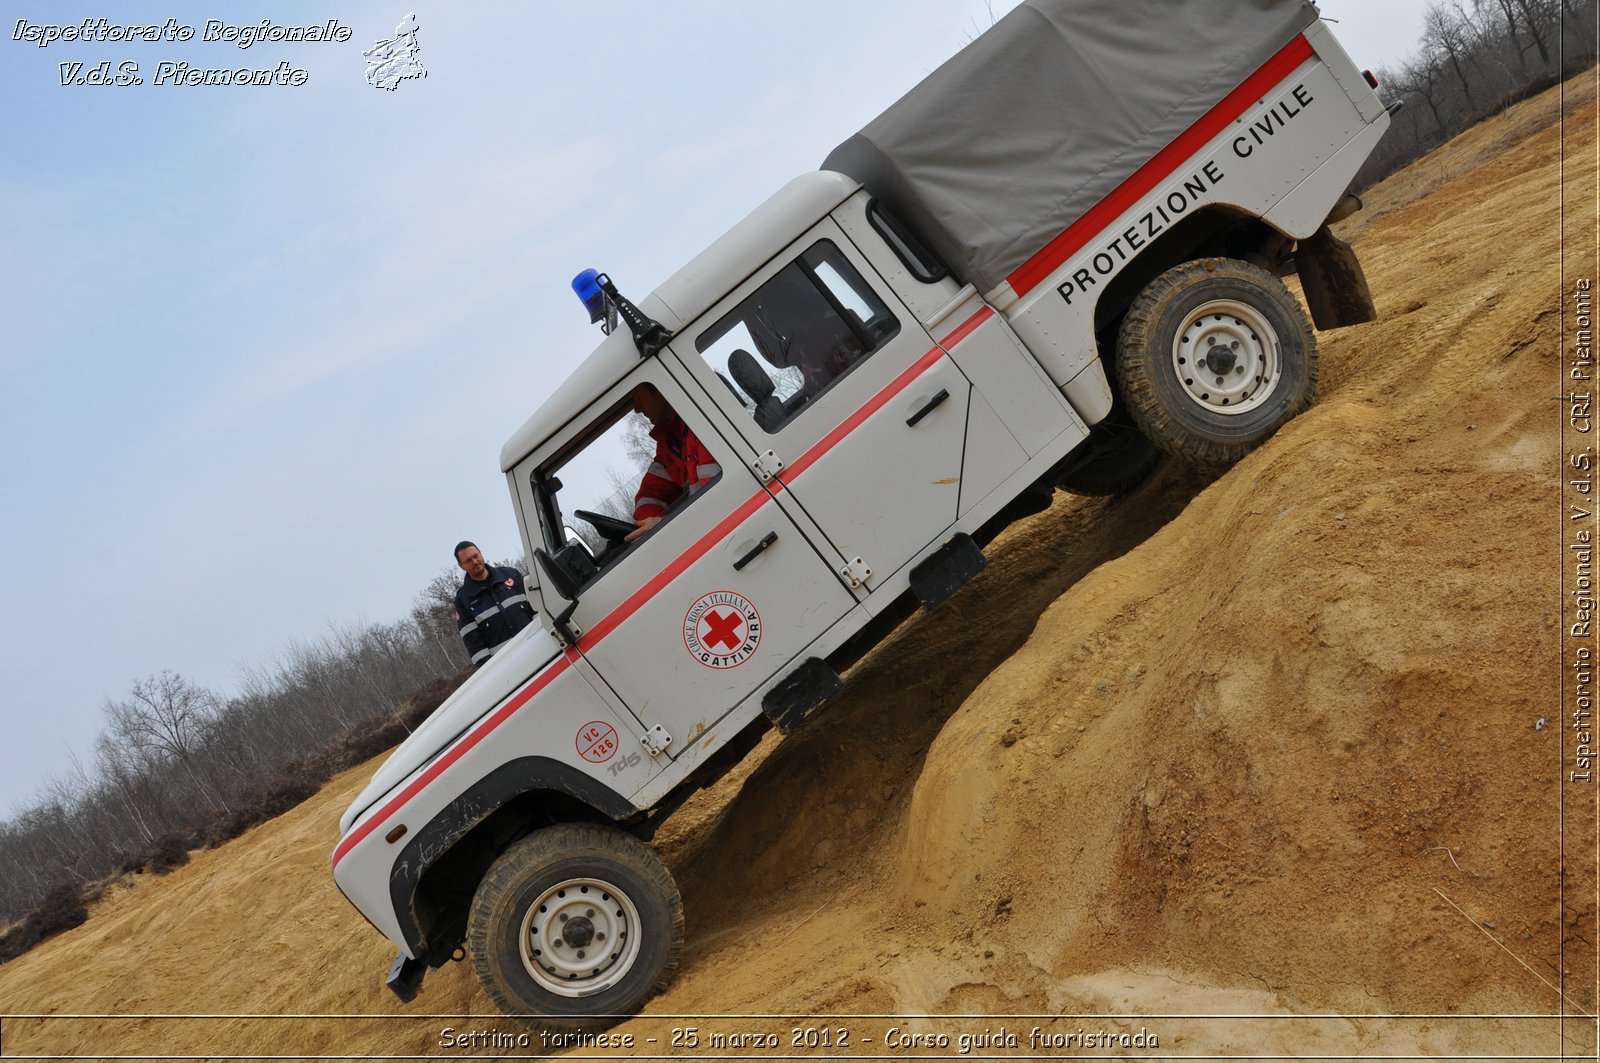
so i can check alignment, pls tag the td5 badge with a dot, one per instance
(722, 629)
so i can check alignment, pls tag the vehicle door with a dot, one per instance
(840, 400)
(691, 618)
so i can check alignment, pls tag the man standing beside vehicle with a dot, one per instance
(491, 605)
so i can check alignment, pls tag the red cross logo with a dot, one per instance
(722, 630)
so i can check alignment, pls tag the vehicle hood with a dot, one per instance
(500, 677)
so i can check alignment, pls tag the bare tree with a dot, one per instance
(1421, 77)
(1535, 13)
(1508, 10)
(165, 717)
(131, 780)
(433, 612)
(1445, 29)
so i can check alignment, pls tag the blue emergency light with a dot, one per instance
(588, 286)
(605, 305)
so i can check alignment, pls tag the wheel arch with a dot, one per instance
(1214, 231)
(434, 876)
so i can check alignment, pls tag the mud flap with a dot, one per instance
(800, 692)
(940, 574)
(1335, 286)
(405, 977)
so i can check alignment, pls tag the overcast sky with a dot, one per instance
(262, 345)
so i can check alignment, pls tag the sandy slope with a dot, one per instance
(1265, 748)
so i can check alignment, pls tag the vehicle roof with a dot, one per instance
(1047, 112)
(685, 295)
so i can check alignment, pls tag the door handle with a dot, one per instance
(931, 405)
(767, 540)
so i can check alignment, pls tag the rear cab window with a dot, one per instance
(796, 336)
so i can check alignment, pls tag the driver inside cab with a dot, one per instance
(681, 465)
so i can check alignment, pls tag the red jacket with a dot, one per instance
(682, 466)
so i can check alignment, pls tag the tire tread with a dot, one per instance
(561, 842)
(1141, 352)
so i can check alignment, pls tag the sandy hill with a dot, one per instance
(1247, 765)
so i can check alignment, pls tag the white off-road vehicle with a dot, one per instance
(1053, 259)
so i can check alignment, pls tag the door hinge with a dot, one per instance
(856, 573)
(566, 632)
(656, 740)
(768, 465)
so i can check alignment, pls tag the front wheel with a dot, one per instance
(1213, 357)
(575, 926)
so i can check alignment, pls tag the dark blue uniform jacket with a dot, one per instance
(490, 611)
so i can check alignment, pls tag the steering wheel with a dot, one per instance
(611, 529)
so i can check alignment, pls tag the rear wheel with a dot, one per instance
(1213, 357)
(575, 926)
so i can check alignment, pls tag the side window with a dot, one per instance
(797, 335)
(636, 466)
(912, 252)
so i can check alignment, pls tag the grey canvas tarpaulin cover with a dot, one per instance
(1009, 142)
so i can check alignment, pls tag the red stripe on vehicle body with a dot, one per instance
(882, 398)
(659, 582)
(1161, 166)
(967, 327)
(454, 753)
(703, 545)
(855, 420)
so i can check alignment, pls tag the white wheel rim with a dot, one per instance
(1227, 357)
(580, 937)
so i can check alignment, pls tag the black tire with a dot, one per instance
(1115, 459)
(575, 878)
(1251, 335)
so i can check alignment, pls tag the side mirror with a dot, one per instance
(556, 576)
(559, 580)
